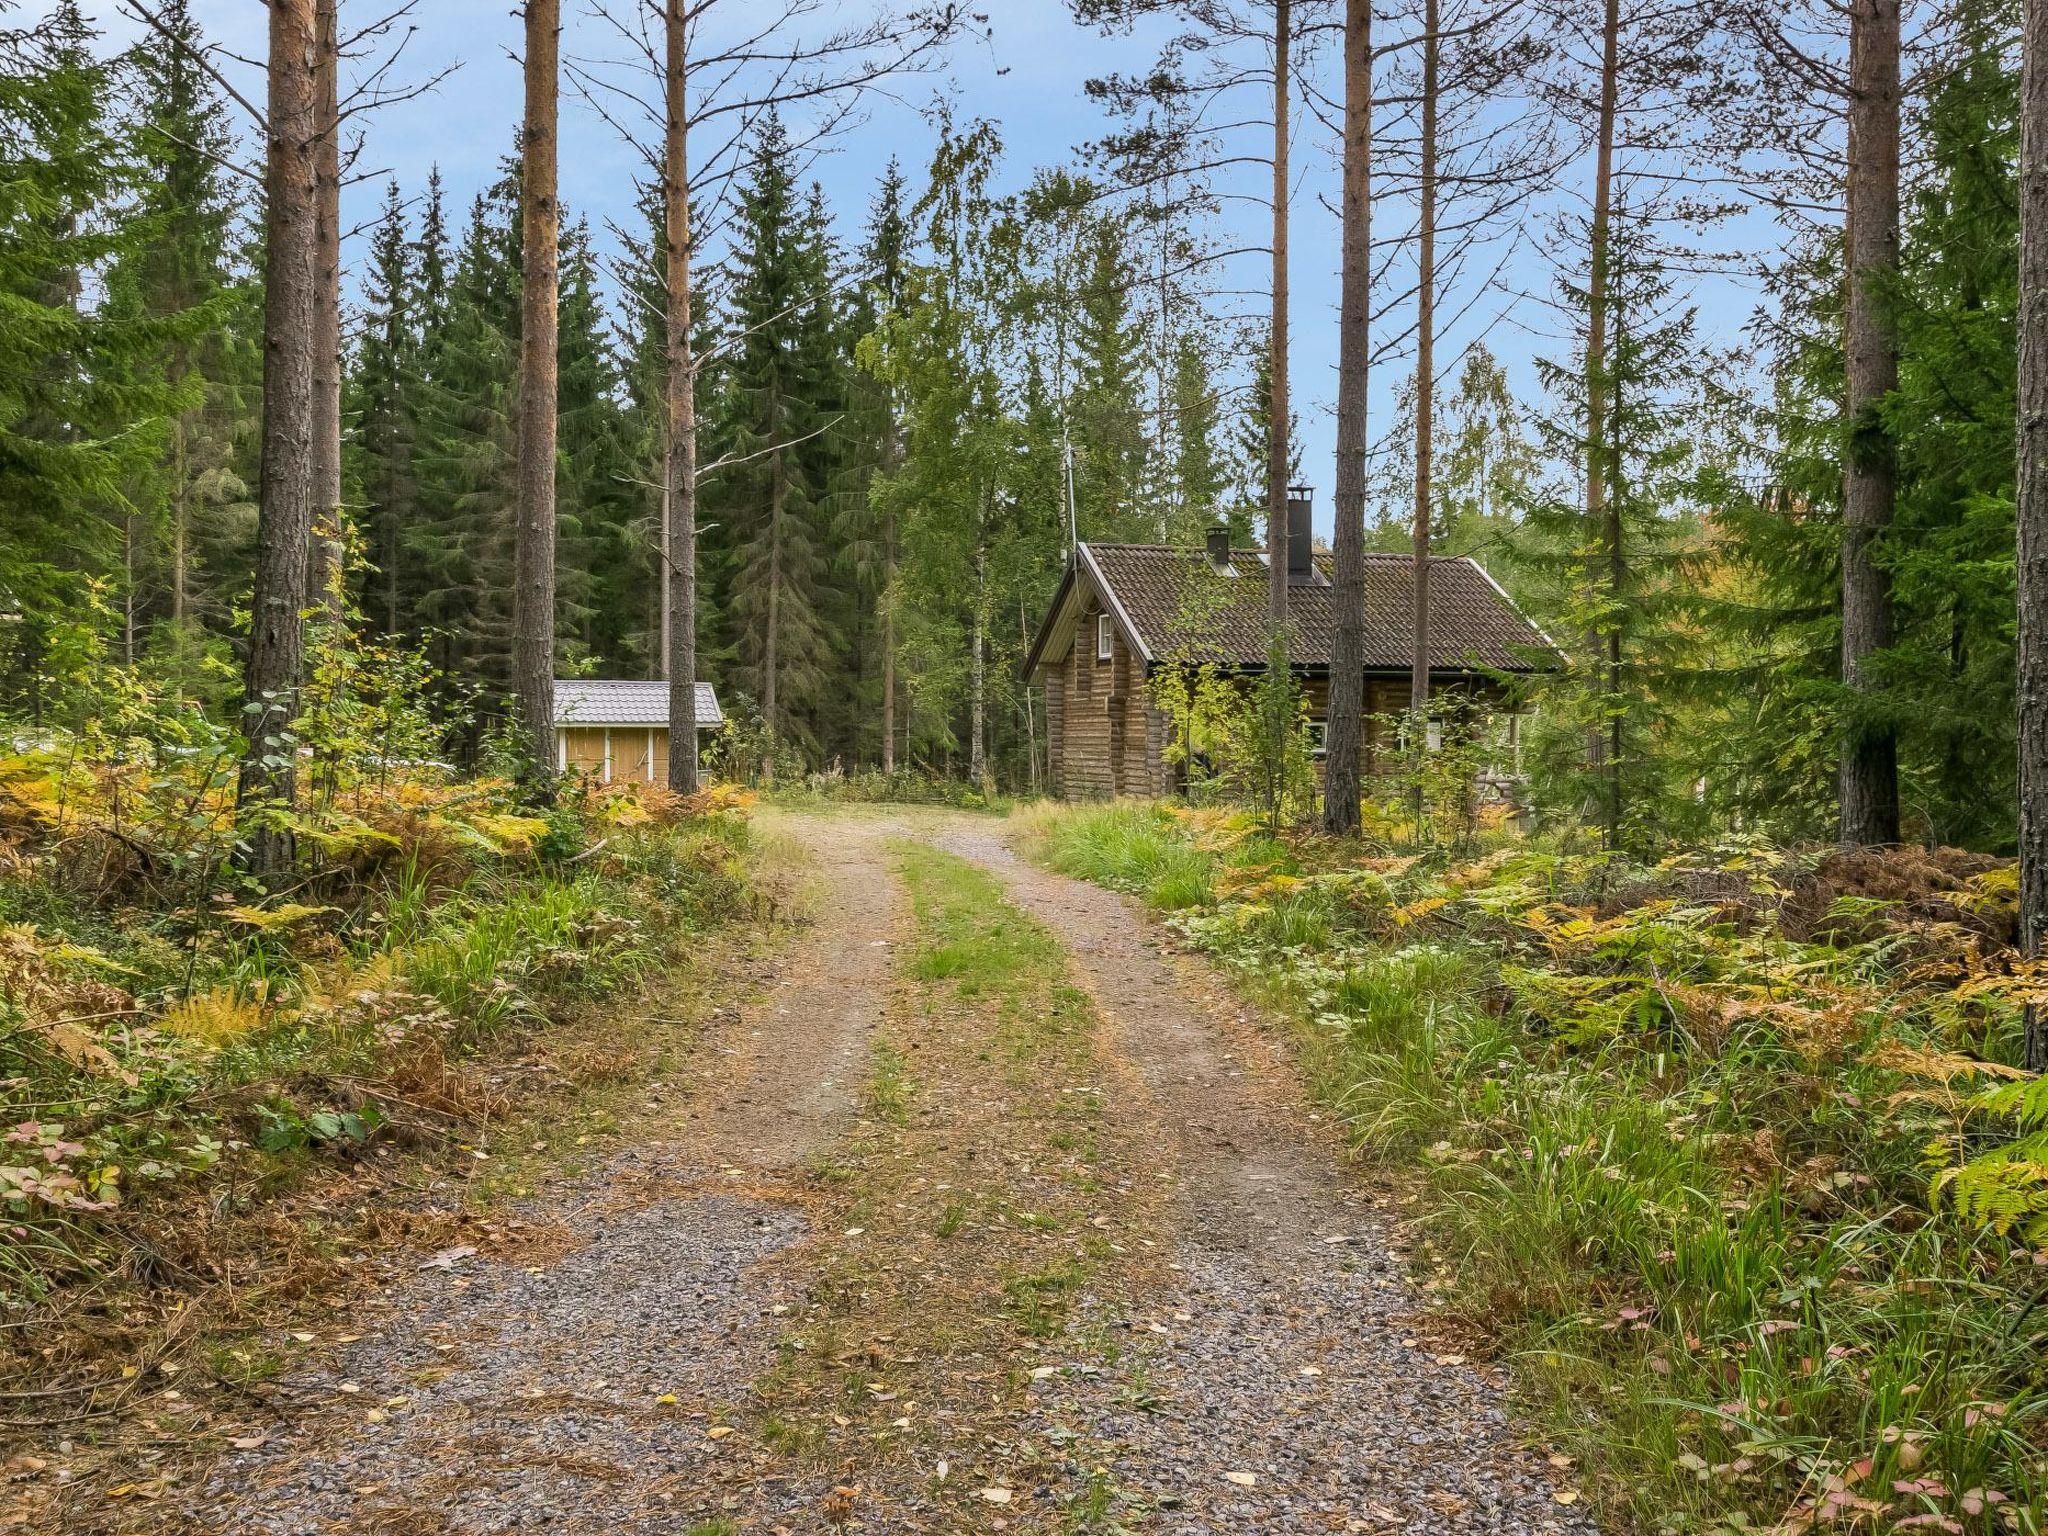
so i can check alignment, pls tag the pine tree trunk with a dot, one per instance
(2033, 507)
(889, 640)
(681, 472)
(533, 531)
(663, 590)
(1345, 733)
(771, 650)
(181, 525)
(1597, 510)
(1425, 398)
(327, 541)
(1870, 776)
(977, 691)
(1277, 455)
(277, 635)
(128, 579)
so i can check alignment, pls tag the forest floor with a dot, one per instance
(989, 1211)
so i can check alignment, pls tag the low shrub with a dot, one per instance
(174, 1026)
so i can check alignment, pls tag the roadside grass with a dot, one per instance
(281, 1089)
(961, 1233)
(1674, 1138)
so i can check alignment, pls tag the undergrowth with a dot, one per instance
(1725, 1152)
(175, 1042)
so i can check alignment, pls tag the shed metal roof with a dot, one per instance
(600, 701)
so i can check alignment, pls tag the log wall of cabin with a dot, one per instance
(1054, 675)
(1091, 683)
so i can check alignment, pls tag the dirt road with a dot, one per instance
(992, 1214)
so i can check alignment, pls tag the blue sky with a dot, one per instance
(1028, 78)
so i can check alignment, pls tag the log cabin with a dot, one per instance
(616, 729)
(1123, 612)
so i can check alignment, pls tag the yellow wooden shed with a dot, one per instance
(616, 729)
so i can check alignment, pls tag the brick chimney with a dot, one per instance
(1219, 546)
(1301, 547)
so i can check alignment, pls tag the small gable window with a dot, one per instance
(1105, 637)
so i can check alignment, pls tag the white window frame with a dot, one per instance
(1105, 637)
(1318, 737)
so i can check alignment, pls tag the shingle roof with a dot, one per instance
(626, 701)
(1177, 603)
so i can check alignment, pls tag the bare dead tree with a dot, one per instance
(1870, 769)
(1345, 730)
(771, 61)
(533, 529)
(325, 577)
(680, 475)
(285, 516)
(2033, 506)
(1278, 456)
(1425, 363)
(1603, 509)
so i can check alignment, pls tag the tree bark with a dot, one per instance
(1277, 455)
(277, 635)
(1425, 397)
(771, 648)
(533, 533)
(680, 557)
(1345, 732)
(889, 641)
(1870, 775)
(2033, 507)
(327, 545)
(977, 690)
(1601, 514)
(181, 525)
(893, 458)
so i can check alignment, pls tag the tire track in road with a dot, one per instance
(1285, 1389)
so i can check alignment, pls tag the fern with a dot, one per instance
(2006, 1188)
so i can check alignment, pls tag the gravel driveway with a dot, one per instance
(1270, 1374)
(1290, 1388)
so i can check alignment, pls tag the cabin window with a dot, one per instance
(1318, 737)
(1105, 637)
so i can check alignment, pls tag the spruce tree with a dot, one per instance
(602, 569)
(383, 386)
(461, 544)
(84, 404)
(1108, 411)
(770, 420)
(183, 276)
